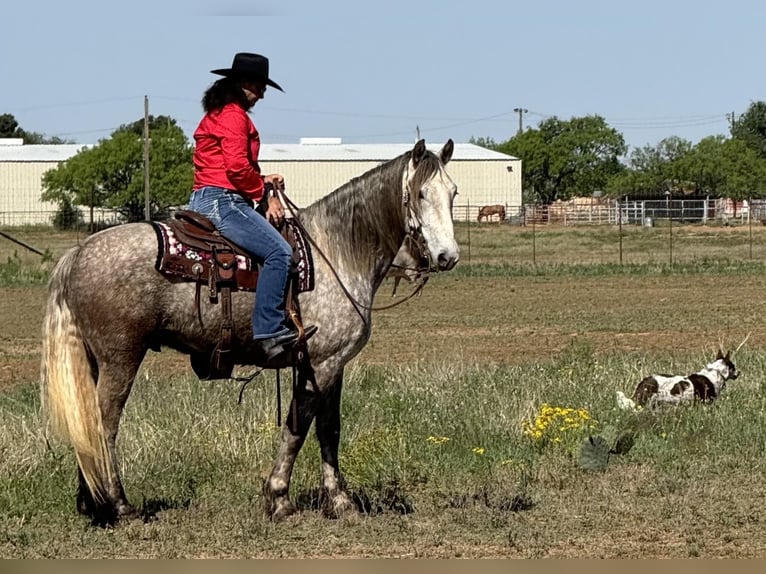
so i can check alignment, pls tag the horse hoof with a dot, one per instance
(282, 511)
(127, 512)
(340, 506)
(103, 515)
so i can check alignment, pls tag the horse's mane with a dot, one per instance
(364, 218)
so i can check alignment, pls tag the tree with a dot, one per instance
(563, 159)
(750, 127)
(9, 128)
(730, 168)
(653, 170)
(484, 142)
(111, 174)
(717, 166)
(746, 171)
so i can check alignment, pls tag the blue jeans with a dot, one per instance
(241, 224)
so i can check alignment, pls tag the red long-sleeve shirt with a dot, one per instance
(226, 152)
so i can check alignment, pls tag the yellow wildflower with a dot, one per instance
(551, 421)
(438, 439)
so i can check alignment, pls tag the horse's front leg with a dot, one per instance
(337, 502)
(276, 489)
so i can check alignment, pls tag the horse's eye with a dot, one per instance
(422, 194)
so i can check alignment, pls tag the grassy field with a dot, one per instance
(463, 417)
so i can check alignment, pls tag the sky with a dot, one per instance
(382, 72)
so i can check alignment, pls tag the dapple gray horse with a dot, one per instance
(108, 306)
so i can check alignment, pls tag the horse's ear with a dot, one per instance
(728, 355)
(720, 354)
(418, 152)
(446, 153)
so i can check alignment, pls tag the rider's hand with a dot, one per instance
(275, 212)
(275, 179)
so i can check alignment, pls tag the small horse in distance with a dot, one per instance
(705, 385)
(108, 306)
(488, 211)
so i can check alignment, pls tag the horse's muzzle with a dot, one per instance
(447, 262)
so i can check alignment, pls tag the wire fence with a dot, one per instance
(580, 212)
(593, 211)
(672, 231)
(700, 231)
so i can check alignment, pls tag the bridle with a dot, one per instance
(413, 234)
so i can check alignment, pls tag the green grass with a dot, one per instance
(608, 244)
(421, 445)
(16, 273)
(434, 412)
(698, 267)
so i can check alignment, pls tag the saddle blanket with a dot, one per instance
(175, 257)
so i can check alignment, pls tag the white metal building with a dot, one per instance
(312, 168)
(316, 166)
(21, 171)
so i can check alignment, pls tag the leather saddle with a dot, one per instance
(220, 260)
(191, 248)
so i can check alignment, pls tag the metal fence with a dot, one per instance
(614, 212)
(80, 218)
(575, 212)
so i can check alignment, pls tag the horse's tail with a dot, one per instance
(625, 403)
(69, 394)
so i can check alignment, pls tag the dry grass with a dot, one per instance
(470, 360)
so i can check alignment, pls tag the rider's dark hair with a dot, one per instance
(222, 92)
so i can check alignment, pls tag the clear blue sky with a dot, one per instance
(373, 71)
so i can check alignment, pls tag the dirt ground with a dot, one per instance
(493, 320)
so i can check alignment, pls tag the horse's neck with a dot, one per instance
(359, 247)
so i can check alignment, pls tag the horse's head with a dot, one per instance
(429, 193)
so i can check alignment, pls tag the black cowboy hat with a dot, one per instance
(251, 67)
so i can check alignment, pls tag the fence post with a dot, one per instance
(468, 224)
(619, 218)
(670, 227)
(534, 216)
(750, 223)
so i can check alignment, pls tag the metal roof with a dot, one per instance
(369, 152)
(277, 152)
(41, 152)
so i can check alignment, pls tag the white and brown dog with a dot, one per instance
(704, 385)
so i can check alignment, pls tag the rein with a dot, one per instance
(410, 236)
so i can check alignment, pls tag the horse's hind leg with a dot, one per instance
(115, 380)
(336, 499)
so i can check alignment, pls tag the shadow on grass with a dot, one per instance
(151, 507)
(387, 498)
(515, 503)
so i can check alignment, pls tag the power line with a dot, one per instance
(665, 126)
(669, 121)
(626, 123)
(75, 104)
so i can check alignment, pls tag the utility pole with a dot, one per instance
(520, 111)
(147, 197)
(732, 120)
